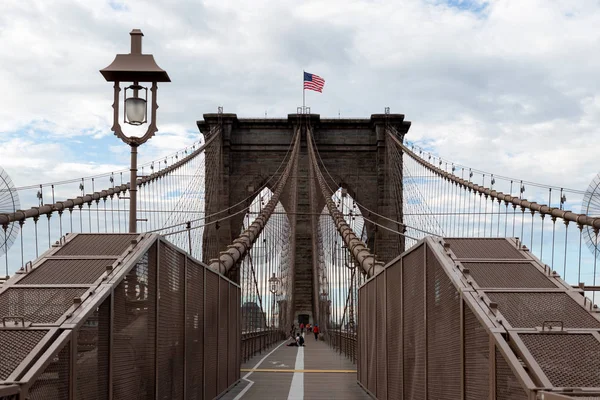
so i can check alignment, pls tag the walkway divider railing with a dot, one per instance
(344, 342)
(255, 342)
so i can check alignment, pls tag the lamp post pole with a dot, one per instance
(273, 289)
(133, 190)
(137, 68)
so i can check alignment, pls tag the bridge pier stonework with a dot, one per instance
(354, 153)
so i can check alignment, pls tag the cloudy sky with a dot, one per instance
(507, 86)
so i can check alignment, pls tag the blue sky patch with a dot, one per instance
(474, 6)
(118, 5)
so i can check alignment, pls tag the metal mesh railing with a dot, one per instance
(55, 380)
(256, 342)
(156, 324)
(477, 358)
(443, 335)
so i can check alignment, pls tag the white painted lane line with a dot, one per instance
(297, 387)
(250, 383)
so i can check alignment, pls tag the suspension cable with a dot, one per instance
(96, 196)
(535, 184)
(581, 219)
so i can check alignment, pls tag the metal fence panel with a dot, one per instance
(439, 326)
(74, 272)
(567, 360)
(443, 333)
(93, 346)
(170, 329)
(371, 318)
(15, 345)
(211, 318)
(195, 331)
(223, 336)
(477, 358)
(133, 348)
(232, 361)
(508, 275)
(38, 305)
(156, 321)
(380, 339)
(507, 385)
(528, 310)
(483, 248)
(362, 336)
(54, 382)
(414, 324)
(394, 330)
(103, 244)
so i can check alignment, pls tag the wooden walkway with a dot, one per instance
(314, 371)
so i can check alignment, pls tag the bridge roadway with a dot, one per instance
(315, 371)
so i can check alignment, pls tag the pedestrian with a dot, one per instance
(295, 341)
(316, 332)
(301, 327)
(300, 340)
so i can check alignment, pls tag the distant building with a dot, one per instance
(252, 317)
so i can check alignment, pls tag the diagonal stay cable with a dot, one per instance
(246, 239)
(357, 247)
(369, 210)
(244, 201)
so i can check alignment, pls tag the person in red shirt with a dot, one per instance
(302, 328)
(316, 332)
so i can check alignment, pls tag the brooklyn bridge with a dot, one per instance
(407, 275)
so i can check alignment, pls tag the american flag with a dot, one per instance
(313, 82)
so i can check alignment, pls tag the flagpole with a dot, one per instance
(303, 94)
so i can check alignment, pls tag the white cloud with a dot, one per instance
(510, 87)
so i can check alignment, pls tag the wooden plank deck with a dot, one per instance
(315, 371)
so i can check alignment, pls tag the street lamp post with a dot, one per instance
(273, 281)
(135, 68)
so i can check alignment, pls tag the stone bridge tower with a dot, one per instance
(352, 150)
